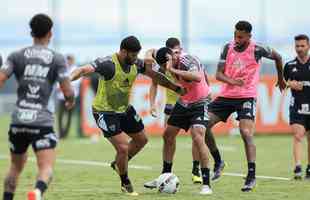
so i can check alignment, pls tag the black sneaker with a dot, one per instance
(218, 170)
(307, 176)
(128, 189)
(249, 185)
(298, 173)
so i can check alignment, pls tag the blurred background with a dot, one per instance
(88, 29)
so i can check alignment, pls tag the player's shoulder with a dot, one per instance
(291, 62)
(103, 61)
(259, 46)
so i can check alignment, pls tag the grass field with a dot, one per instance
(82, 172)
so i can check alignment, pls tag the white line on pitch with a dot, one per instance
(142, 167)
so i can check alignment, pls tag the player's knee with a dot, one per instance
(122, 149)
(168, 138)
(298, 136)
(245, 132)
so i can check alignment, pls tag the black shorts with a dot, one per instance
(304, 120)
(223, 107)
(112, 123)
(186, 116)
(41, 138)
(168, 109)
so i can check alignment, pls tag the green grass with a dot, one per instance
(84, 182)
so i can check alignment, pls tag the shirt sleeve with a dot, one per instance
(105, 67)
(62, 69)
(189, 63)
(9, 65)
(263, 51)
(286, 72)
(1, 62)
(223, 54)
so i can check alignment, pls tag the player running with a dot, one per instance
(297, 75)
(238, 69)
(171, 99)
(37, 69)
(189, 113)
(111, 109)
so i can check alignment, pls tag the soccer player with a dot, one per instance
(37, 69)
(171, 99)
(238, 69)
(189, 113)
(297, 75)
(111, 109)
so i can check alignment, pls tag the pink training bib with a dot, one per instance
(196, 91)
(241, 65)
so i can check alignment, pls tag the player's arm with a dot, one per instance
(220, 72)
(82, 71)
(153, 94)
(68, 92)
(3, 78)
(272, 54)
(6, 70)
(293, 84)
(160, 78)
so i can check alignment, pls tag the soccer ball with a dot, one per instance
(168, 183)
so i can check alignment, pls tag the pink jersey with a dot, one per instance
(241, 65)
(196, 91)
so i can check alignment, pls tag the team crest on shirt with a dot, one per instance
(238, 63)
(294, 69)
(125, 83)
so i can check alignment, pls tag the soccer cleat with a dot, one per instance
(128, 189)
(34, 195)
(307, 176)
(151, 184)
(114, 167)
(218, 171)
(196, 179)
(249, 185)
(297, 173)
(205, 190)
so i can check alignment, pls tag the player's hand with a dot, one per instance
(69, 104)
(295, 85)
(237, 82)
(281, 84)
(153, 111)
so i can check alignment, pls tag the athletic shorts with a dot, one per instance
(304, 120)
(168, 109)
(112, 123)
(41, 138)
(223, 107)
(185, 116)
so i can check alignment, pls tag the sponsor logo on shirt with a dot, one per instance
(43, 54)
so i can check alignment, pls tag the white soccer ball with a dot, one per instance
(168, 183)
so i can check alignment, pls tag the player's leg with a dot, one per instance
(196, 178)
(247, 128)
(169, 146)
(219, 110)
(18, 147)
(11, 179)
(136, 144)
(132, 124)
(298, 134)
(307, 177)
(198, 134)
(43, 144)
(121, 145)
